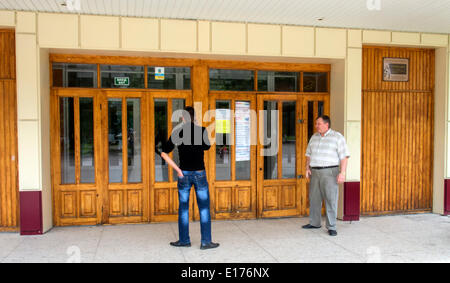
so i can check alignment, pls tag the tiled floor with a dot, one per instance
(403, 238)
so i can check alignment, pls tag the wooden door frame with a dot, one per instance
(199, 83)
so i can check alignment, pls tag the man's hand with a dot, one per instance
(308, 173)
(180, 174)
(341, 178)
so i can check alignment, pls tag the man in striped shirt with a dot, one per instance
(326, 163)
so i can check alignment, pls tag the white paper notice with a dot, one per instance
(242, 118)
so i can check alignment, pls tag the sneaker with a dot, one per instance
(209, 246)
(178, 244)
(332, 232)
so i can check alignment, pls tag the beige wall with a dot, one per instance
(441, 145)
(37, 31)
(28, 103)
(46, 182)
(338, 86)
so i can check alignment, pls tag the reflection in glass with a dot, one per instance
(242, 80)
(177, 104)
(122, 76)
(243, 124)
(134, 140)
(271, 140)
(320, 108)
(161, 167)
(67, 140)
(74, 75)
(115, 140)
(223, 140)
(288, 147)
(278, 81)
(315, 82)
(174, 78)
(87, 140)
(311, 119)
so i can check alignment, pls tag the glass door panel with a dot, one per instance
(271, 140)
(289, 139)
(223, 140)
(115, 154)
(87, 140)
(134, 140)
(177, 105)
(243, 133)
(161, 134)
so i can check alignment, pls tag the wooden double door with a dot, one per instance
(257, 163)
(105, 161)
(107, 168)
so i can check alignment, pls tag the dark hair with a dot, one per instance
(191, 111)
(325, 119)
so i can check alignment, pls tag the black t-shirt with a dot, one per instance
(190, 149)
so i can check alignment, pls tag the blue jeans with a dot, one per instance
(198, 179)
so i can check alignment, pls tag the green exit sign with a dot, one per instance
(121, 81)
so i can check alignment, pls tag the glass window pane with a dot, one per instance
(289, 138)
(87, 140)
(67, 140)
(74, 75)
(58, 76)
(242, 80)
(320, 108)
(173, 78)
(115, 139)
(122, 76)
(270, 140)
(161, 167)
(134, 140)
(177, 104)
(311, 119)
(278, 81)
(243, 139)
(315, 82)
(223, 140)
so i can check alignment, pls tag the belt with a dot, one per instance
(326, 167)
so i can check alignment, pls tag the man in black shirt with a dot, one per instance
(192, 140)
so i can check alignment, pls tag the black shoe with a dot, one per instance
(332, 232)
(178, 244)
(209, 246)
(309, 226)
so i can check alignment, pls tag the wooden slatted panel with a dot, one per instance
(8, 54)
(397, 133)
(9, 195)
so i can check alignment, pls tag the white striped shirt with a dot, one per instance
(328, 150)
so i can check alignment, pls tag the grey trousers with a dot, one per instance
(323, 186)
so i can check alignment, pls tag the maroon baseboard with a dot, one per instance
(31, 213)
(351, 201)
(447, 197)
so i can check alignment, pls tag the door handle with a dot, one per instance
(300, 176)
